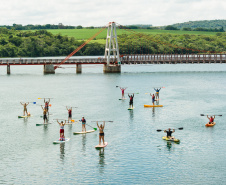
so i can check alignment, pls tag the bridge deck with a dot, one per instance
(125, 59)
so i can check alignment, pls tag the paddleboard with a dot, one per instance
(122, 98)
(88, 131)
(131, 108)
(210, 125)
(153, 105)
(58, 141)
(24, 116)
(167, 139)
(41, 124)
(157, 99)
(101, 146)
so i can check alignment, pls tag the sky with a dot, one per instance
(101, 12)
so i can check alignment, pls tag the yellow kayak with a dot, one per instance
(167, 139)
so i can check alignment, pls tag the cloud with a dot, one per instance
(100, 12)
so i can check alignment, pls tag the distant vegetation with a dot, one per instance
(208, 24)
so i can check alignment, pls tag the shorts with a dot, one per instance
(131, 102)
(44, 117)
(61, 130)
(101, 134)
(153, 100)
(69, 116)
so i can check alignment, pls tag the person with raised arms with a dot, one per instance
(44, 114)
(169, 133)
(101, 132)
(25, 108)
(69, 113)
(62, 137)
(157, 93)
(123, 92)
(211, 119)
(131, 100)
(83, 120)
(47, 105)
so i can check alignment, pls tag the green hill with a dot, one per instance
(209, 24)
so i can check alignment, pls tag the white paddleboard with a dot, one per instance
(101, 146)
(88, 131)
(131, 108)
(122, 98)
(58, 141)
(41, 124)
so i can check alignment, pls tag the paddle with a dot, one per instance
(181, 128)
(209, 115)
(101, 121)
(91, 127)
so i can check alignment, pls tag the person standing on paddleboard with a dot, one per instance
(47, 105)
(62, 138)
(44, 115)
(101, 132)
(169, 133)
(211, 119)
(157, 93)
(123, 91)
(131, 100)
(25, 107)
(153, 99)
(83, 120)
(69, 114)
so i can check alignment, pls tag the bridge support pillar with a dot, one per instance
(78, 68)
(49, 69)
(8, 69)
(112, 68)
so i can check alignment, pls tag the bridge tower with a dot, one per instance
(112, 51)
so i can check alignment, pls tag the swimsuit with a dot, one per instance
(101, 134)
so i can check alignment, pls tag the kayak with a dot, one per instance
(40, 124)
(88, 131)
(101, 146)
(153, 105)
(58, 141)
(131, 108)
(167, 139)
(24, 116)
(210, 125)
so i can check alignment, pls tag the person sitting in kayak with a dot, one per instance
(25, 107)
(131, 100)
(169, 133)
(101, 132)
(61, 128)
(211, 119)
(153, 99)
(123, 91)
(69, 114)
(83, 120)
(44, 114)
(47, 105)
(157, 93)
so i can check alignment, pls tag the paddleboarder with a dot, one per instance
(62, 138)
(25, 107)
(47, 105)
(69, 113)
(153, 99)
(123, 91)
(157, 93)
(44, 114)
(211, 119)
(131, 100)
(101, 132)
(169, 133)
(83, 120)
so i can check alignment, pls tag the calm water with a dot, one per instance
(136, 153)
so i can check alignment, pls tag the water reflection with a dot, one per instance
(153, 112)
(168, 145)
(83, 142)
(25, 120)
(62, 151)
(101, 160)
(131, 115)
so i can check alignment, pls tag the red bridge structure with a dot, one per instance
(112, 60)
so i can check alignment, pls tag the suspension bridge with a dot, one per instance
(112, 60)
